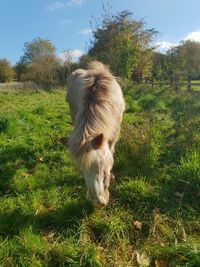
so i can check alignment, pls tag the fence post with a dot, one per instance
(152, 83)
(171, 82)
(189, 85)
(176, 83)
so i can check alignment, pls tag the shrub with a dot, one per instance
(6, 71)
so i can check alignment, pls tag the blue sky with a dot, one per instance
(67, 22)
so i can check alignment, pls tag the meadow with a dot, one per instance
(153, 218)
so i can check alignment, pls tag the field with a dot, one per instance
(153, 218)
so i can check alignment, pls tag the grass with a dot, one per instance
(153, 218)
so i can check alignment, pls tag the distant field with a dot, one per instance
(153, 218)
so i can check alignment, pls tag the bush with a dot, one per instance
(43, 71)
(6, 72)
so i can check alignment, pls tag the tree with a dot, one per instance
(162, 68)
(6, 72)
(37, 48)
(20, 69)
(123, 43)
(39, 63)
(67, 65)
(188, 53)
(43, 71)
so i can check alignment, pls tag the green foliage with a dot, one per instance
(179, 62)
(43, 71)
(37, 48)
(124, 44)
(67, 65)
(188, 52)
(6, 71)
(20, 69)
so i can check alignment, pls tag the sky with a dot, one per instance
(66, 23)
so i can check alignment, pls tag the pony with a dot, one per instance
(96, 105)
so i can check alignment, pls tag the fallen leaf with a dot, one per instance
(160, 263)
(137, 224)
(48, 235)
(79, 187)
(37, 212)
(143, 259)
(100, 249)
(156, 210)
(178, 194)
(162, 244)
(25, 174)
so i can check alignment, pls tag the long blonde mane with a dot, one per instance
(98, 112)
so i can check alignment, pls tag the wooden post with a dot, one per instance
(175, 83)
(189, 84)
(171, 82)
(152, 82)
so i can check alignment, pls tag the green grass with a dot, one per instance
(153, 218)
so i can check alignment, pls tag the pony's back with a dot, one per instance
(96, 103)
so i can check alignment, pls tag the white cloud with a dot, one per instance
(71, 55)
(77, 2)
(76, 53)
(55, 6)
(163, 46)
(64, 21)
(194, 36)
(86, 31)
(60, 5)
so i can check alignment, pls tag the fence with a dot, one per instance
(176, 82)
(17, 86)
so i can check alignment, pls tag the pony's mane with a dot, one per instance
(95, 114)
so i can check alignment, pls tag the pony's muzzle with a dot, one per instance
(99, 200)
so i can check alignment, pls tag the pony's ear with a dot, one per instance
(97, 141)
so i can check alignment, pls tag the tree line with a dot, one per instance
(120, 41)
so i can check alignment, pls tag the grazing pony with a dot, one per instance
(96, 104)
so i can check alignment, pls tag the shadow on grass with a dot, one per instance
(67, 218)
(11, 159)
(40, 173)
